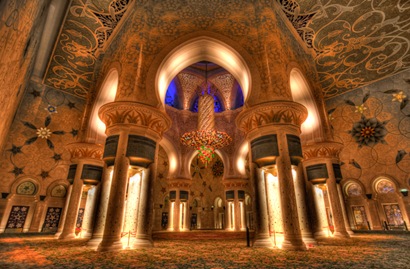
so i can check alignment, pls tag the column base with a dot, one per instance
(309, 241)
(263, 240)
(108, 244)
(143, 241)
(67, 236)
(94, 242)
(343, 234)
(56, 235)
(321, 235)
(289, 245)
(87, 235)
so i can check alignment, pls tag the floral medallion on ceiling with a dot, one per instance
(86, 30)
(373, 124)
(356, 42)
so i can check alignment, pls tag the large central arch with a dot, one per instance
(202, 48)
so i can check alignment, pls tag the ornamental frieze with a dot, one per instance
(85, 151)
(322, 150)
(235, 183)
(277, 112)
(179, 183)
(135, 114)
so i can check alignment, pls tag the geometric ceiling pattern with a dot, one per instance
(354, 42)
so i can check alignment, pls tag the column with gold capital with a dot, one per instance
(85, 157)
(273, 129)
(133, 130)
(321, 164)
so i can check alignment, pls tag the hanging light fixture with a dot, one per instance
(206, 139)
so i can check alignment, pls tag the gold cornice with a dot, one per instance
(328, 149)
(237, 183)
(135, 114)
(83, 150)
(179, 183)
(271, 113)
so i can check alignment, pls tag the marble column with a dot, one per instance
(344, 212)
(292, 233)
(274, 207)
(74, 203)
(143, 238)
(102, 208)
(89, 212)
(337, 209)
(111, 239)
(64, 213)
(321, 227)
(262, 236)
(301, 201)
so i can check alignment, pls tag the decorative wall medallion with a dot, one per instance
(354, 190)
(385, 186)
(369, 132)
(218, 168)
(59, 191)
(26, 188)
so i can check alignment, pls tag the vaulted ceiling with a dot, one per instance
(354, 43)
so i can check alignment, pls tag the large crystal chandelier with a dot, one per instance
(206, 139)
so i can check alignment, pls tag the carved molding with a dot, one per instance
(134, 114)
(239, 183)
(322, 150)
(180, 184)
(276, 112)
(85, 151)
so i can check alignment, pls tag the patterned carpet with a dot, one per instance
(362, 251)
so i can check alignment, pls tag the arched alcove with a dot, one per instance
(202, 49)
(301, 93)
(96, 128)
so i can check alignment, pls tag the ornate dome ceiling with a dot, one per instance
(353, 43)
(183, 91)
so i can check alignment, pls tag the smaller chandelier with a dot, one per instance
(206, 139)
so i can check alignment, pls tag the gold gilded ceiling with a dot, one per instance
(354, 42)
(88, 26)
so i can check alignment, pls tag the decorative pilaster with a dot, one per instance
(179, 204)
(321, 162)
(273, 129)
(238, 186)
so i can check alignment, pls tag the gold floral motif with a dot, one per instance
(43, 132)
(85, 150)
(322, 150)
(271, 113)
(399, 97)
(136, 114)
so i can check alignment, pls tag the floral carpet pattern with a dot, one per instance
(362, 251)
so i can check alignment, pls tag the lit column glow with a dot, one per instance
(232, 215)
(131, 213)
(321, 211)
(242, 210)
(275, 209)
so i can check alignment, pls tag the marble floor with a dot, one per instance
(380, 250)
